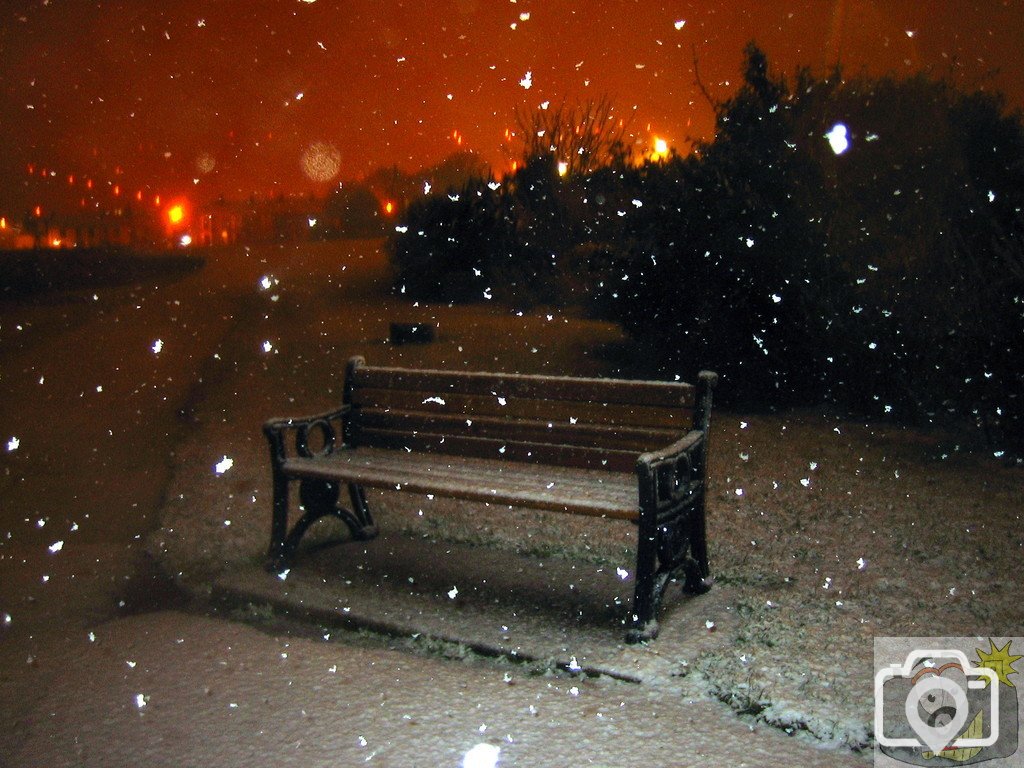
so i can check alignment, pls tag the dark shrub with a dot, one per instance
(887, 280)
(444, 249)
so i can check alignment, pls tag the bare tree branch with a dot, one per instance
(583, 137)
(700, 83)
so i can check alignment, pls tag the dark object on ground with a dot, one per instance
(412, 333)
(579, 446)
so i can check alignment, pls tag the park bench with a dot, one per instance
(622, 450)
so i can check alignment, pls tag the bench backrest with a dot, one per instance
(593, 423)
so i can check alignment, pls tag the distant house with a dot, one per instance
(86, 229)
(220, 223)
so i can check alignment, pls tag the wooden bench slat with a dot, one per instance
(611, 495)
(493, 448)
(514, 408)
(655, 393)
(514, 431)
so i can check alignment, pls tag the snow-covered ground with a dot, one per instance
(131, 452)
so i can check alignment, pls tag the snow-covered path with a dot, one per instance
(173, 689)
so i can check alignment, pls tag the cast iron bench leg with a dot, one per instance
(319, 498)
(644, 624)
(699, 542)
(359, 520)
(279, 523)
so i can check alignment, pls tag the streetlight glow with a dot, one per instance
(176, 214)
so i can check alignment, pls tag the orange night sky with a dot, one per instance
(251, 96)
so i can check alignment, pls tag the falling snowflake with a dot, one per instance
(481, 756)
(158, 345)
(12, 444)
(838, 138)
(527, 81)
(223, 465)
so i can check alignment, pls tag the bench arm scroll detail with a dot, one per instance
(291, 437)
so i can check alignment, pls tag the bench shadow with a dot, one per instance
(480, 583)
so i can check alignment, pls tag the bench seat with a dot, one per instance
(549, 487)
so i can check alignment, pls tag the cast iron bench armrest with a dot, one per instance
(675, 474)
(330, 424)
(671, 452)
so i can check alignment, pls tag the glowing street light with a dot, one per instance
(660, 150)
(176, 214)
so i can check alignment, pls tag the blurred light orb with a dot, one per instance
(206, 162)
(838, 138)
(481, 756)
(321, 161)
